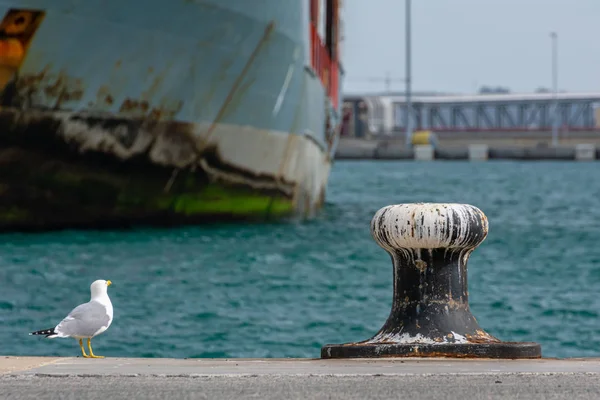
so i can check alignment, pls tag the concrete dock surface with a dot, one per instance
(290, 379)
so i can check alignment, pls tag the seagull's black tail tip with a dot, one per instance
(46, 332)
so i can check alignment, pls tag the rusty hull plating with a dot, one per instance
(430, 245)
(216, 117)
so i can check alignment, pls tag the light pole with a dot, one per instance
(554, 37)
(388, 83)
(408, 77)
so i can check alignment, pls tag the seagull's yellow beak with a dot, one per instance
(108, 283)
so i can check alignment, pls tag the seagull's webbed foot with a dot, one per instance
(92, 355)
(82, 349)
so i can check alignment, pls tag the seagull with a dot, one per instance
(86, 320)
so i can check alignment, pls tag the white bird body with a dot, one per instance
(86, 320)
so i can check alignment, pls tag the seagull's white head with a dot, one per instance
(99, 288)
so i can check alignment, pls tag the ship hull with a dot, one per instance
(113, 119)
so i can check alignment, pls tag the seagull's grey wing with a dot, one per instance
(84, 321)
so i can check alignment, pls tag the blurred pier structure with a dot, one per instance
(493, 119)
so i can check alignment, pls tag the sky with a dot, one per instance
(460, 45)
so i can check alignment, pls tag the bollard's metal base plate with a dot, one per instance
(502, 350)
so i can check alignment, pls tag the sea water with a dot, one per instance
(285, 289)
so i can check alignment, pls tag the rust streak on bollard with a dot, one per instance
(430, 245)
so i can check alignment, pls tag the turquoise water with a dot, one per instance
(285, 289)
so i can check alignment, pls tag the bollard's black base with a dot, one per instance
(501, 350)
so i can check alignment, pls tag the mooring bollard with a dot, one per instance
(430, 245)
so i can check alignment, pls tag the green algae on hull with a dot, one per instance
(213, 199)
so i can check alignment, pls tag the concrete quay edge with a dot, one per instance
(199, 367)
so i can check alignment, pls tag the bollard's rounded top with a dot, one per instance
(429, 226)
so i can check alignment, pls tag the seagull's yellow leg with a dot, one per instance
(82, 349)
(92, 355)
